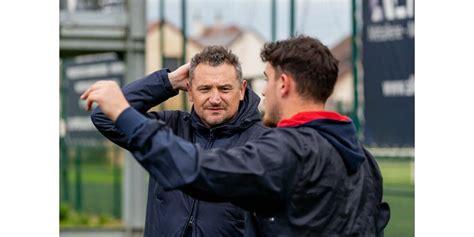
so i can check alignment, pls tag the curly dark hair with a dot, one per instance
(308, 61)
(215, 56)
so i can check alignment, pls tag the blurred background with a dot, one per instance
(103, 191)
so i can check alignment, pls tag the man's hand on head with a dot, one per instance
(179, 78)
(108, 96)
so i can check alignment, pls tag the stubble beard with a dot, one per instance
(271, 117)
(217, 121)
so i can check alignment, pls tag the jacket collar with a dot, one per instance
(307, 116)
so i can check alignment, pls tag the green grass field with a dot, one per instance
(98, 193)
(399, 192)
(98, 190)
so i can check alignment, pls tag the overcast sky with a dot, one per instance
(328, 20)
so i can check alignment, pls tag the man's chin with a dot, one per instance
(215, 122)
(269, 122)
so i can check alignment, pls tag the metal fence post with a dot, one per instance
(292, 18)
(62, 140)
(355, 72)
(162, 40)
(183, 56)
(116, 182)
(134, 186)
(78, 199)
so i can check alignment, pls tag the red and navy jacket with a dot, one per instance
(172, 212)
(308, 177)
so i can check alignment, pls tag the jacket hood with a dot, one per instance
(247, 115)
(342, 135)
(337, 130)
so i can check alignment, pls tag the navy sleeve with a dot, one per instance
(260, 170)
(154, 146)
(129, 120)
(142, 95)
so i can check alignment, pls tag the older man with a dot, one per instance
(224, 115)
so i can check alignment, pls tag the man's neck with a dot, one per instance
(297, 105)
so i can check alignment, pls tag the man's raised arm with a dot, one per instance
(142, 95)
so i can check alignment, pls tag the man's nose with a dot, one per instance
(215, 98)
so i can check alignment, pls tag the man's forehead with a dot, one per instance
(215, 74)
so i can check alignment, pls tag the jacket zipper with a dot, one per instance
(190, 221)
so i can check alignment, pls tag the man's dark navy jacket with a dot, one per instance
(171, 213)
(308, 177)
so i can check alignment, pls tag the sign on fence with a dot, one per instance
(388, 45)
(80, 73)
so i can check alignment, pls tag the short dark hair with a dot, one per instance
(215, 56)
(308, 61)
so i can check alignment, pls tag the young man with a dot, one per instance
(308, 177)
(224, 115)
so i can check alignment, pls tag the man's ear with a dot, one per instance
(242, 89)
(190, 94)
(285, 84)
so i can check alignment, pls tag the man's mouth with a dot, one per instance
(215, 109)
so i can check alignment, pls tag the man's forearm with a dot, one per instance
(150, 91)
(254, 170)
(141, 94)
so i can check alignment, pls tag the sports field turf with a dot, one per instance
(399, 193)
(98, 193)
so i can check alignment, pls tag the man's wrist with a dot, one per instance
(116, 113)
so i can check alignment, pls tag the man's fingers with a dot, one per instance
(93, 87)
(89, 103)
(88, 91)
(91, 97)
(99, 92)
(186, 66)
(86, 96)
(184, 69)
